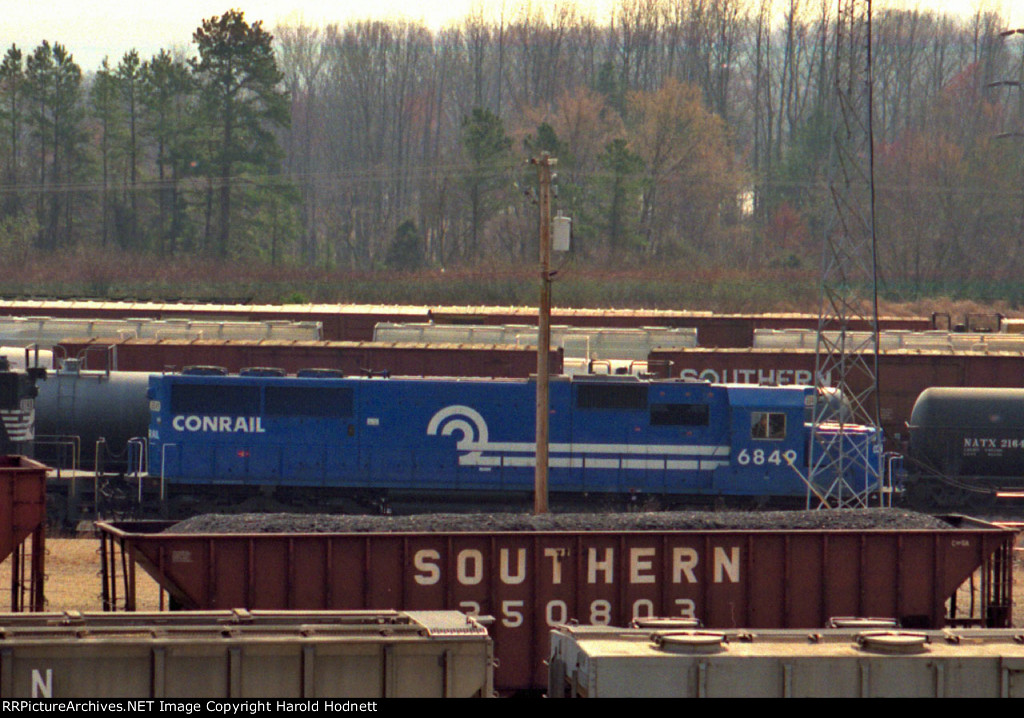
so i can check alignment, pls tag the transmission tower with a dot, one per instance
(1012, 116)
(844, 471)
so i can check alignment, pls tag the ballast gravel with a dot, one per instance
(839, 519)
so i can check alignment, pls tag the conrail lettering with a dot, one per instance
(222, 424)
(601, 566)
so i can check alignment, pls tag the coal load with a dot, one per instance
(837, 520)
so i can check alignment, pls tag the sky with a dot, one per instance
(94, 29)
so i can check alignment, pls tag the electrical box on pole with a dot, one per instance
(561, 233)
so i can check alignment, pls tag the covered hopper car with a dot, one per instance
(318, 656)
(604, 662)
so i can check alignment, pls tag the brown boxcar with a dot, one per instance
(902, 374)
(353, 358)
(530, 582)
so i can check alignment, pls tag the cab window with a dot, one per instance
(767, 425)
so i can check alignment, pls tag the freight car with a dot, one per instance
(966, 446)
(531, 573)
(245, 654)
(355, 358)
(45, 332)
(603, 662)
(446, 440)
(90, 419)
(356, 322)
(903, 374)
(596, 350)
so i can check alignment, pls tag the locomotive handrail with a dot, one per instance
(72, 440)
(892, 458)
(140, 465)
(163, 462)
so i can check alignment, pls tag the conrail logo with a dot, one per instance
(221, 424)
(474, 441)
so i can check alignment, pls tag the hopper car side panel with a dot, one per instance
(533, 582)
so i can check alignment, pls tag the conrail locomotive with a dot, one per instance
(381, 439)
(367, 441)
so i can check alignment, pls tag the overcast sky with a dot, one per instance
(92, 29)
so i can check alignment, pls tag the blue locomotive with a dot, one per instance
(385, 437)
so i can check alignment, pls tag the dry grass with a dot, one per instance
(956, 308)
(73, 580)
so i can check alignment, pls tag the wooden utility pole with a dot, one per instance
(540, 478)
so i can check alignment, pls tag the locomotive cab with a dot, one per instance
(767, 443)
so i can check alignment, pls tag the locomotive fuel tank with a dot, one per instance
(970, 433)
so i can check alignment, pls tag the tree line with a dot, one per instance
(687, 132)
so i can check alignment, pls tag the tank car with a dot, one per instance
(966, 446)
(89, 419)
(451, 440)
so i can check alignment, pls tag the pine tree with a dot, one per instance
(240, 86)
(168, 120)
(487, 147)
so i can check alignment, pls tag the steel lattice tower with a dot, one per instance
(844, 473)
